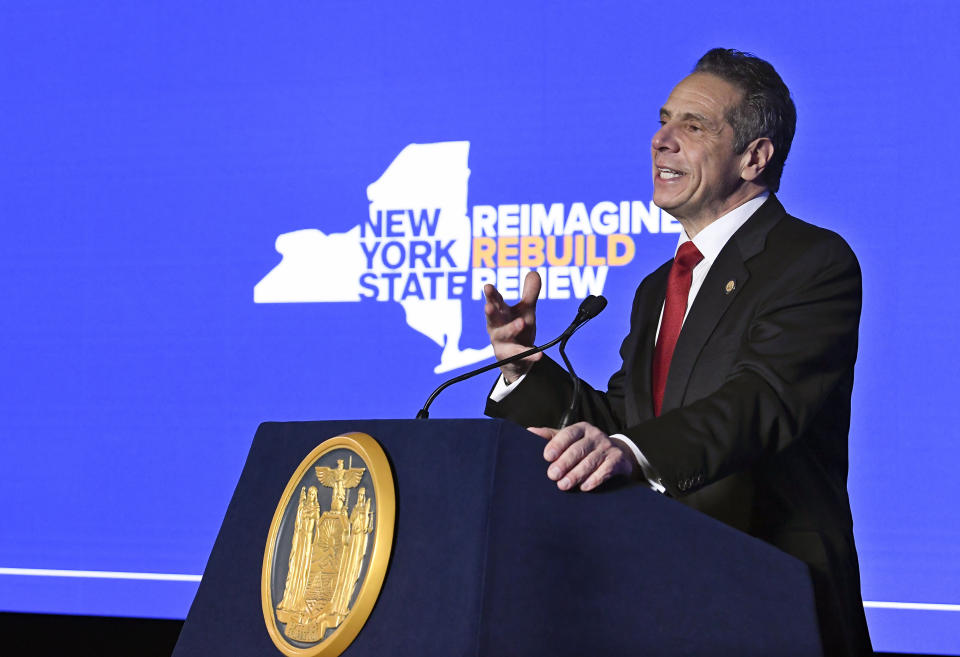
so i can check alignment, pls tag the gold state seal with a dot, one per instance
(323, 568)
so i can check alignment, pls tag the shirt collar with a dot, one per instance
(714, 237)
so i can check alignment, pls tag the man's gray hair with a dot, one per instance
(767, 110)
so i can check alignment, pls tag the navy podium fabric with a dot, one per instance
(489, 558)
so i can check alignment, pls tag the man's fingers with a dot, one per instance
(543, 432)
(495, 309)
(523, 313)
(582, 455)
(586, 465)
(615, 463)
(531, 288)
(571, 458)
(561, 440)
(506, 332)
(492, 294)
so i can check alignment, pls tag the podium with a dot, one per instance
(490, 558)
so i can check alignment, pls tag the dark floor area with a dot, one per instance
(45, 634)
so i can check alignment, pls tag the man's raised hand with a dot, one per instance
(513, 328)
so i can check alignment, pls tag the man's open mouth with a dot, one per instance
(667, 174)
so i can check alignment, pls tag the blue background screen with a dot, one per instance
(197, 236)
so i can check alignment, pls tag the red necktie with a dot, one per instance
(674, 308)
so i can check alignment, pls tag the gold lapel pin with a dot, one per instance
(730, 287)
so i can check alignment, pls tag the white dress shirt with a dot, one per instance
(709, 241)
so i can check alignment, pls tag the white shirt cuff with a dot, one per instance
(502, 389)
(653, 479)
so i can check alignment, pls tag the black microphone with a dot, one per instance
(589, 308)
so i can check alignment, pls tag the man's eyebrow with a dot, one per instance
(692, 116)
(689, 116)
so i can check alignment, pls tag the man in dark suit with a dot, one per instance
(734, 392)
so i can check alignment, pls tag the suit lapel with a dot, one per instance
(639, 405)
(713, 299)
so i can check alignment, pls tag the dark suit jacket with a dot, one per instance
(756, 408)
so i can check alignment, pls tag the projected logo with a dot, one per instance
(421, 247)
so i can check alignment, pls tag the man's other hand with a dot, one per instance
(582, 454)
(513, 328)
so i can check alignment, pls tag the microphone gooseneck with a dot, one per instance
(575, 397)
(589, 308)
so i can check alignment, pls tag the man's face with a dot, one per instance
(695, 171)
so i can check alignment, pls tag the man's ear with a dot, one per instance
(755, 159)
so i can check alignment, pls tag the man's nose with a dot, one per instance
(664, 139)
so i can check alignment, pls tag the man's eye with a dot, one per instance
(694, 128)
